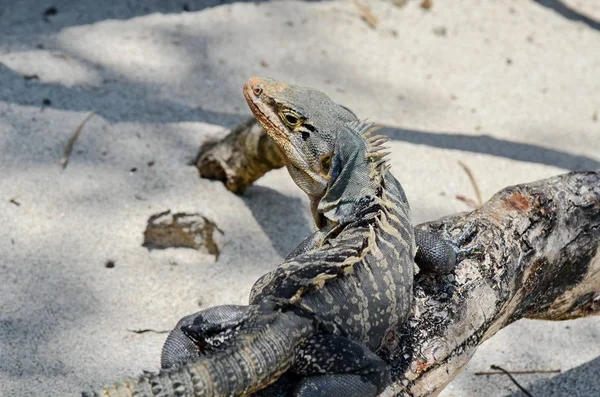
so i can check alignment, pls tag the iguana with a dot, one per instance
(323, 313)
(304, 124)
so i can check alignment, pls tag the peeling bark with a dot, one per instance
(240, 158)
(541, 259)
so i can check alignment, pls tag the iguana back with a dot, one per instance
(359, 282)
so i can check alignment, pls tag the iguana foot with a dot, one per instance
(440, 255)
(180, 348)
(434, 254)
(455, 243)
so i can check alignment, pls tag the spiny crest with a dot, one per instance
(376, 149)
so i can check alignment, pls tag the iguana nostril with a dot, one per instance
(257, 90)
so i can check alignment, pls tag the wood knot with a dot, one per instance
(421, 367)
(518, 201)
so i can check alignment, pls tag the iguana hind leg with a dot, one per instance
(335, 366)
(335, 386)
(346, 385)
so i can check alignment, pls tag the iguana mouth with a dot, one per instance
(258, 101)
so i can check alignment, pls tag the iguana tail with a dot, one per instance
(257, 356)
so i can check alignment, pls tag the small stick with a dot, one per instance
(143, 331)
(473, 182)
(468, 201)
(513, 379)
(367, 15)
(64, 160)
(14, 201)
(535, 371)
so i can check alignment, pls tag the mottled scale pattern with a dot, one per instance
(361, 281)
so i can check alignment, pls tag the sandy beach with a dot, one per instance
(509, 88)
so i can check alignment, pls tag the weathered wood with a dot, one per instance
(541, 259)
(239, 159)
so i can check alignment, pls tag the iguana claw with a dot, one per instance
(455, 243)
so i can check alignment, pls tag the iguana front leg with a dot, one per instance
(331, 365)
(313, 241)
(434, 253)
(440, 255)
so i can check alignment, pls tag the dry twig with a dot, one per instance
(145, 330)
(468, 201)
(531, 372)
(14, 201)
(505, 372)
(367, 14)
(473, 183)
(64, 160)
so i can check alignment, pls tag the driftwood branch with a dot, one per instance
(541, 259)
(239, 159)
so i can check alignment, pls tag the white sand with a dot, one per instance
(510, 90)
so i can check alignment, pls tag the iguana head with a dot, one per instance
(303, 122)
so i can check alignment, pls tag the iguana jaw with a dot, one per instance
(260, 94)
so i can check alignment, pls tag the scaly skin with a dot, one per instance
(357, 284)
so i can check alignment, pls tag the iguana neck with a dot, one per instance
(356, 177)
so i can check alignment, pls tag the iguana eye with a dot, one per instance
(291, 119)
(326, 163)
